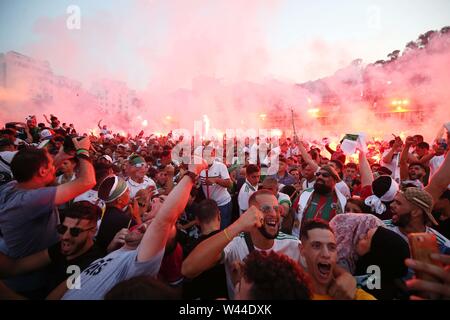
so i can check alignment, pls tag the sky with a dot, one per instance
(292, 40)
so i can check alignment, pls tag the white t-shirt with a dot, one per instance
(435, 163)
(59, 179)
(7, 156)
(135, 186)
(393, 166)
(244, 194)
(215, 191)
(308, 185)
(237, 250)
(344, 189)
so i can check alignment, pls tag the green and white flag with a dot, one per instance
(351, 142)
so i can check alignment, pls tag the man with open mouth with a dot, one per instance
(319, 249)
(256, 229)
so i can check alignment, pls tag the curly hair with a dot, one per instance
(275, 276)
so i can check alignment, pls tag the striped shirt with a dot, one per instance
(443, 242)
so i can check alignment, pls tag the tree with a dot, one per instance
(412, 45)
(445, 29)
(394, 55)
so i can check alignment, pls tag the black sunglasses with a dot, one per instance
(323, 174)
(74, 232)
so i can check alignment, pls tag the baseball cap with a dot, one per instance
(421, 199)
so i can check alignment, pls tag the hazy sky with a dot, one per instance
(292, 32)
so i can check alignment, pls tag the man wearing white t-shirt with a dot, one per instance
(252, 174)
(439, 157)
(391, 158)
(260, 224)
(215, 181)
(137, 180)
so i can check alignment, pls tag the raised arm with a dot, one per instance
(440, 180)
(209, 252)
(404, 158)
(307, 157)
(85, 180)
(388, 157)
(364, 169)
(156, 236)
(46, 119)
(331, 151)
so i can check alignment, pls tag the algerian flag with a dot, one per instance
(351, 142)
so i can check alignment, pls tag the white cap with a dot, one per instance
(108, 158)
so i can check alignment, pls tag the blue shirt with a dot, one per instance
(28, 219)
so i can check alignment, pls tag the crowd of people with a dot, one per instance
(123, 217)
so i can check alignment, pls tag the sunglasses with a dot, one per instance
(323, 174)
(140, 165)
(74, 232)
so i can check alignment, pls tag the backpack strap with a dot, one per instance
(249, 242)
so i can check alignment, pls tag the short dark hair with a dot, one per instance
(289, 190)
(207, 211)
(27, 162)
(142, 288)
(251, 168)
(252, 199)
(357, 202)
(416, 163)
(275, 276)
(304, 165)
(351, 165)
(418, 136)
(423, 145)
(313, 224)
(102, 170)
(83, 210)
(338, 164)
(391, 143)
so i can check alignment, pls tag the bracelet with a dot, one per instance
(82, 151)
(226, 234)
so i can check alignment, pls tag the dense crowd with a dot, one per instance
(108, 216)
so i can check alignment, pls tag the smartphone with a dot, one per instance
(422, 246)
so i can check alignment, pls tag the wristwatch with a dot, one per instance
(191, 175)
